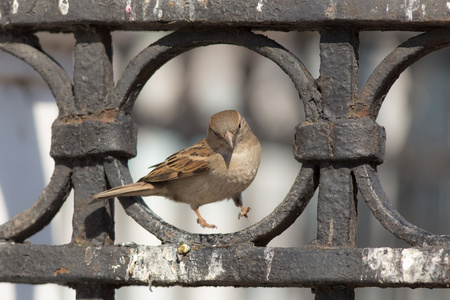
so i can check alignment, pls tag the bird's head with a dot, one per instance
(226, 129)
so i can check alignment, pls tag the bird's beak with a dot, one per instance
(229, 138)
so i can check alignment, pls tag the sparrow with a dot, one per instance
(219, 167)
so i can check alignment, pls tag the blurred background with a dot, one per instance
(173, 112)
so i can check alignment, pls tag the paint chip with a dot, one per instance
(268, 257)
(63, 6)
(410, 7)
(15, 7)
(215, 267)
(260, 5)
(157, 10)
(61, 270)
(385, 263)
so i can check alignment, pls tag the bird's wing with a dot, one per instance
(185, 163)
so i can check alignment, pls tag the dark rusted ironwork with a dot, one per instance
(373, 193)
(339, 145)
(268, 15)
(270, 266)
(32, 220)
(384, 76)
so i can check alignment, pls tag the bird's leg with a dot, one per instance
(202, 221)
(238, 202)
(244, 212)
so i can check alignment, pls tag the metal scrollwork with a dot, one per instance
(35, 218)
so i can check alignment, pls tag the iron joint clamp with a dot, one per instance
(358, 141)
(104, 134)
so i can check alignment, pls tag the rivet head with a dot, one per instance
(183, 249)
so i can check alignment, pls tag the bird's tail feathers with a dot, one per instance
(133, 189)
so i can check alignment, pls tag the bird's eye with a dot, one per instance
(215, 133)
(240, 125)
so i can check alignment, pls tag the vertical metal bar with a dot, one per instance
(338, 82)
(336, 211)
(93, 79)
(92, 224)
(335, 294)
(89, 291)
(93, 74)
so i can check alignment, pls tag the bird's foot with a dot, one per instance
(244, 211)
(202, 221)
(204, 224)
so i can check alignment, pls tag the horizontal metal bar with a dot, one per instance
(240, 266)
(260, 14)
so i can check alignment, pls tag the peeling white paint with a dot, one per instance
(448, 5)
(145, 263)
(63, 6)
(115, 267)
(424, 6)
(260, 5)
(157, 10)
(405, 265)
(215, 267)
(410, 7)
(122, 260)
(89, 254)
(381, 260)
(409, 260)
(161, 263)
(15, 7)
(269, 252)
(387, 8)
(182, 268)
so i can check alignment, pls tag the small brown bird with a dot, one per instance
(218, 167)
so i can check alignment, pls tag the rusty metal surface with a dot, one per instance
(32, 220)
(377, 201)
(387, 72)
(269, 15)
(240, 266)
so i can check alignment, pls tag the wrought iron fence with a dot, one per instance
(339, 146)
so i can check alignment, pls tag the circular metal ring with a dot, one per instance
(149, 60)
(371, 99)
(32, 220)
(370, 187)
(387, 72)
(145, 64)
(27, 49)
(259, 234)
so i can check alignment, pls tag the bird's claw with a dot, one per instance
(243, 213)
(203, 223)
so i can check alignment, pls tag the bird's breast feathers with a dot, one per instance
(242, 166)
